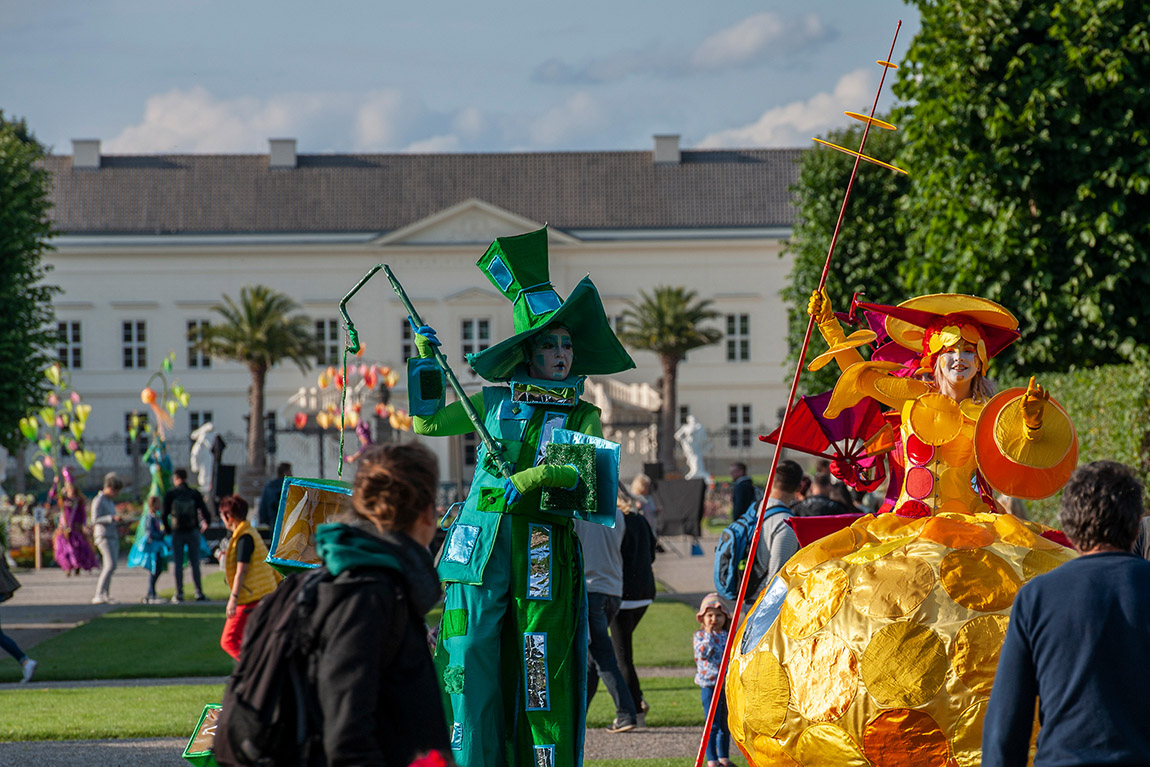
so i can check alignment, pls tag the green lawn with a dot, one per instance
(674, 703)
(104, 712)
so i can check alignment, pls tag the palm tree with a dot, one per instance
(667, 322)
(260, 331)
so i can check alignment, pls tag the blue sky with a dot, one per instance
(148, 76)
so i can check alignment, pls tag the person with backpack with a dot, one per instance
(778, 542)
(185, 518)
(250, 578)
(336, 668)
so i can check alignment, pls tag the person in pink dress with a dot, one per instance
(70, 546)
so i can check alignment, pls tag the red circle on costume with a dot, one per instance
(919, 452)
(919, 482)
(913, 510)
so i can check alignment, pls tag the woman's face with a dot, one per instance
(551, 355)
(958, 364)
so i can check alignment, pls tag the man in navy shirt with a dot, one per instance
(1078, 639)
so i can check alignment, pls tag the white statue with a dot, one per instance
(201, 459)
(692, 438)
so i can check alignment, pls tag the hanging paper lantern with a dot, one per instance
(324, 380)
(330, 371)
(380, 409)
(370, 377)
(53, 400)
(323, 419)
(337, 379)
(362, 349)
(75, 397)
(363, 370)
(300, 420)
(391, 379)
(352, 419)
(148, 395)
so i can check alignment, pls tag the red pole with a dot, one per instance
(783, 430)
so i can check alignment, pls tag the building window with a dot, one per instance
(469, 443)
(476, 335)
(738, 337)
(684, 411)
(196, 358)
(406, 341)
(68, 345)
(197, 418)
(615, 321)
(135, 338)
(739, 425)
(327, 339)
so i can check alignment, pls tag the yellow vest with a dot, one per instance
(260, 579)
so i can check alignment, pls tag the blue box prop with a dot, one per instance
(304, 505)
(199, 750)
(607, 469)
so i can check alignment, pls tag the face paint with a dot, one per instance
(551, 355)
(957, 364)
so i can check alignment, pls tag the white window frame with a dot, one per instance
(69, 348)
(327, 335)
(197, 359)
(740, 422)
(474, 335)
(134, 344)
(739, 337)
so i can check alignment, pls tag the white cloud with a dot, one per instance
(433, 145)
(577, 116)
(794, 124)
(386, 120)
(756, 37)
(195, 121)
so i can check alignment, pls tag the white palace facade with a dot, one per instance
(146, 245)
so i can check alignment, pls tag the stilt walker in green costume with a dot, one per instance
(513, 639)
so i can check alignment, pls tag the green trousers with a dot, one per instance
(513, 650)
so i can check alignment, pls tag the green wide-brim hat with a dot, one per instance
(596, 348)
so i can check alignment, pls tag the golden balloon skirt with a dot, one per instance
(877, 645)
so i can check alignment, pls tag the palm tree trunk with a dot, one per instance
(256, 448)
(668, 411)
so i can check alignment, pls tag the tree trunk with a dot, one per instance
(257, 459)
(668, 412)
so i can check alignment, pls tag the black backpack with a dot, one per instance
(184, 512)
(270, 715)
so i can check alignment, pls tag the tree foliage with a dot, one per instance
(870, 245)
(1029, 152)
(668, 321)
(27, 332)
(260, 331)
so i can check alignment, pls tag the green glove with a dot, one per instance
(544, 475)
(425, 340)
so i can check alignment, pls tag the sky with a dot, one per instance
(224, 76)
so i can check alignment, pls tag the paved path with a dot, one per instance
(50, 603)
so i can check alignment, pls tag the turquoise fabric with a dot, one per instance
(342, 548)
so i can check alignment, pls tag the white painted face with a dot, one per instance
(958, 364)
(551, 355)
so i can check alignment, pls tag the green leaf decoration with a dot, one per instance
(135, 420)
(48, 416)
(45, 444)
(184, 398)
(77, 429)
(37, 471)
(29, 428)
(82, 412)
(132, 433)
(171, 406)
(53, 374)
(86, 459)
(167, 365)
(68, 405)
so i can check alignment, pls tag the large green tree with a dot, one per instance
(261, 330)
(1029, 150)
(870, 245)
(27, 331)
(668, 321)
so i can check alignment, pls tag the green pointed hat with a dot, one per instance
(518, 267)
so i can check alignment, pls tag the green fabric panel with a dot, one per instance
(453, 679)
(450, 420)
(453, 624)
(561, 495)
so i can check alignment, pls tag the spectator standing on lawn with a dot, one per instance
(644, 503)
(603, 572)
(375, 681)
(638, 554)
(269, 504)
(151, 548)
(8, 586)
(70, 546)
(250, 578)
(186, 517)
(709, 643)
(777, 541)
(1078, 637)
(742, 490)
(103, 518)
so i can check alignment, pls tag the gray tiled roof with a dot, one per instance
(171, 194)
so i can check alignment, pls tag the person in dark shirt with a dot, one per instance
(186, 517)
(638, 550)
(1077, 640)
(269, 504)
(818, 501)
(742, 490)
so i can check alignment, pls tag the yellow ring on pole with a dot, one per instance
(860, 155)
(872, 120)
(887, 64)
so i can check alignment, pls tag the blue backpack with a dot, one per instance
(731, 554)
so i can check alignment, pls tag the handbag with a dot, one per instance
(8, 582)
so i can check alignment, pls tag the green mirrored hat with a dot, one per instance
(518, 266)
